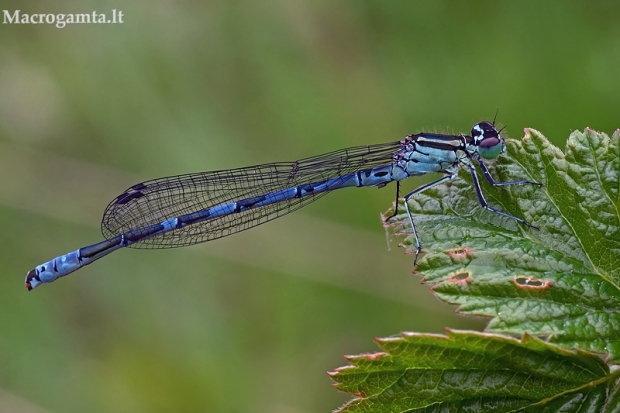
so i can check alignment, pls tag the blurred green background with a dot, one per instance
(249, 323)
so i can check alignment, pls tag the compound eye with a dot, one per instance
(487, 138)
(491, 147)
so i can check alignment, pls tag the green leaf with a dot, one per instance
(560, 282)
(470, 372)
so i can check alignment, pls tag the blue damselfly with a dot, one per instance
(188, 209)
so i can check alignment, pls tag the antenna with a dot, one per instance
(495, 117)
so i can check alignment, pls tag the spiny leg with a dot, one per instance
(483, 201)
(493, 182)
(414, 193)
(395, 202)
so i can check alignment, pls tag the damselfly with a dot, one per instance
(188, 209)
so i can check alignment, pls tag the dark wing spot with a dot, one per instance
(138, 187)
(126, 197)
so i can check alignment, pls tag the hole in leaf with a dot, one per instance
(460, 276)
(531, 282)
(460, 253)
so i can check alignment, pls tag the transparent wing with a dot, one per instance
(157, 200)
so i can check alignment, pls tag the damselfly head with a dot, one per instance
(487, 139)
